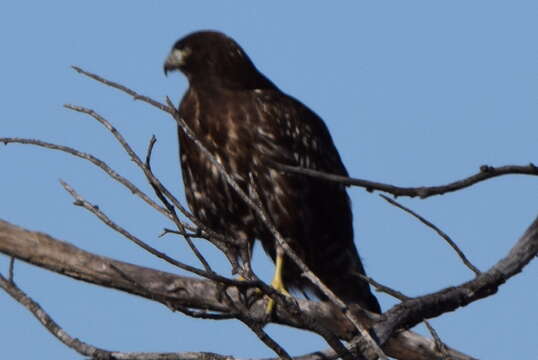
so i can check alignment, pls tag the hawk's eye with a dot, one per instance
(176, 59)
(179, 56)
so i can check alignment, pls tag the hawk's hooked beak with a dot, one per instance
(175, 60)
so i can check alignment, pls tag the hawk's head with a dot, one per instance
(212, 58)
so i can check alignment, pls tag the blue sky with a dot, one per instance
(415, 93)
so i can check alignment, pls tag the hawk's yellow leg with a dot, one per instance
(277, 282)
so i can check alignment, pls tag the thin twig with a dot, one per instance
(202, 314)
(171, 209)
(125, 89)
(267, 340)
(86, 349)
(97, 162)
(49, 323)
(439, 344)
(127, 148)
(11, 270)
(447, 238)
(486, 172)
(385, 289)
(192, 235)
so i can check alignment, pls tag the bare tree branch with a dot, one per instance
(192, 235)
(267, 340)
(385, 289)
(438, 342)
(11, 270)
(441, 233)
(49, 323)
(423, 192)
(86, 349)
(125, 89)
(172, 210)
(95, 161)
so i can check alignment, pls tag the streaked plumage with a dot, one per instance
(247, 123)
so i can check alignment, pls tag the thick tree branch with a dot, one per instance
(178, 292)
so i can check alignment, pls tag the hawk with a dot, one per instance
(247, 123)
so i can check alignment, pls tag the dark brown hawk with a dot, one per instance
(247, 123)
